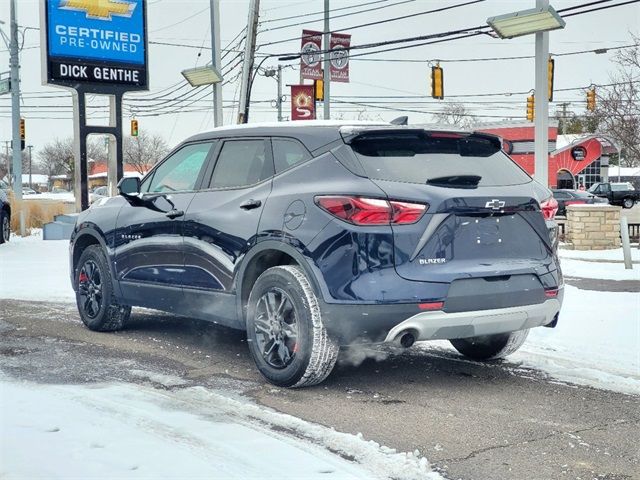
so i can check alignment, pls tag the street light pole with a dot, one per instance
(541, 162)
(215, 59)
(14, 62)
(30, 165)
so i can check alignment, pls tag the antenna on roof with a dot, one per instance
(404, 120)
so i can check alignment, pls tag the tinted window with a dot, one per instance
(241, 163)
(621, 187)
(445, 161)
(287, 153)
(180, 171)
(561, 195)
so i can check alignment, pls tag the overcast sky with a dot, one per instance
(187, 23)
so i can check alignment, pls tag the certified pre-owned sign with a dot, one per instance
(96, 42)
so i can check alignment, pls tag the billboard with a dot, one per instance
(98, 42)
(339, 44)
(311, 58)
(303, 104)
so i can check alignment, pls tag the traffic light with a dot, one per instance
(134, 128)
(531, 104)
(318, 88)
(550, 67)
(591, 99)
(22, 134)
(437, 82)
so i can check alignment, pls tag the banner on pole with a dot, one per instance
(310, 60)
(303, 105)
(339, 45)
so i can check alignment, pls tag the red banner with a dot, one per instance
(339, 45)
(303, 104)
(311, 59)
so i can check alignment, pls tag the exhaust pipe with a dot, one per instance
(406, 339)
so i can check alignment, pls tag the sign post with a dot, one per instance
(95, 47)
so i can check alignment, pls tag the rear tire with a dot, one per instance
(5, 226)
(490, 347)
(286, 336)
(97, 306)
(628, 203)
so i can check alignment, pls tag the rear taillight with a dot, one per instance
(371, 211)
(549, 208)
(551, 292)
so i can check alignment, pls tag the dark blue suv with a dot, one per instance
(316, 235)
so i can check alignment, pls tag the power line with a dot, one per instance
(322, 11)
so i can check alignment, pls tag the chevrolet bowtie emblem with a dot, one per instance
(495, 204)
(100, 9)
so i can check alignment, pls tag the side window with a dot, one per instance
(286, 153)
(180, 171)
(561, 195)
(241, 163)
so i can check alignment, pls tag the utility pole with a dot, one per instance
(247, 66)
(30, 166)
(215, 60)
(14, 63)
(327, 63)
(564, 117)
(541, 168)
(279, 101)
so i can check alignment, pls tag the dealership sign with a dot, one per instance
(303, 105)
(311, 57)
(339, 45)
(95, 42)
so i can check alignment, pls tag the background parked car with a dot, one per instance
(98, 193)
(5, 216)
(566, 197)
(29, 191)
(621, 194)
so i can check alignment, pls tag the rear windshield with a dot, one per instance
(447, 160)
(621, 187)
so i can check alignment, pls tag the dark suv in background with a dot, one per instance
(310, 236)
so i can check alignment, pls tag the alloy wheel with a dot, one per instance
(90, 288)
(276, 328)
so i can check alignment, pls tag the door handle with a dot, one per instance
(250, 204)
(174, 213)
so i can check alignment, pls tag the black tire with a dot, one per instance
(5, 226)
(628, 203)
(290, 347)
(97, 306)
(490, 347)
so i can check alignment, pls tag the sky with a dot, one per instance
(186, 26)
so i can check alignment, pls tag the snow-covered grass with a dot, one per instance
(124, 431)
(599, 270)
(66, 197)
(613, 255)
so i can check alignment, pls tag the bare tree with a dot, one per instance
(144, 151)
(455, 114)
(57, 157)
(618, 107)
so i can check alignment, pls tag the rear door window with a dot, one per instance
(241, 163)
(443, 159)
(287, 153)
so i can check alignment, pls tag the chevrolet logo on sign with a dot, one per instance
(100, 9)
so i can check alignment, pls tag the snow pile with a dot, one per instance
(599, 264)
(132, 432)
(596, 341)
(32, 269)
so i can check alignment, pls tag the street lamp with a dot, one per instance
(538, 21)
(207, 75)
(526, 22)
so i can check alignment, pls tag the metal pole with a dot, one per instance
(14, 62)
(247, 67)
(626, 244)
(327, 64)
(541, 169)
(279, 79)
(30, 166)
(215, 60)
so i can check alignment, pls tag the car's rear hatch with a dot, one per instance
(483, 221)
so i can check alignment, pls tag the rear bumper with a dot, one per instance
(445, 326)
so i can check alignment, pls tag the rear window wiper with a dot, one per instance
(456, 181)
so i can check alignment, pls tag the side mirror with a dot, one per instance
(129, 186)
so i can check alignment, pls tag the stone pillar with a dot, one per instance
(593, 227)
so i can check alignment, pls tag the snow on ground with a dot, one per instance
(599, 270)
(62, 197)
(32, 269)
(613, 255)
(124, 431)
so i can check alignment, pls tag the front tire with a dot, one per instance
(490, 347)
(97, 306)
(286, 336)
(628, 203)
(5, 226)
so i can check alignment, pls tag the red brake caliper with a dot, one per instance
(83, 277)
